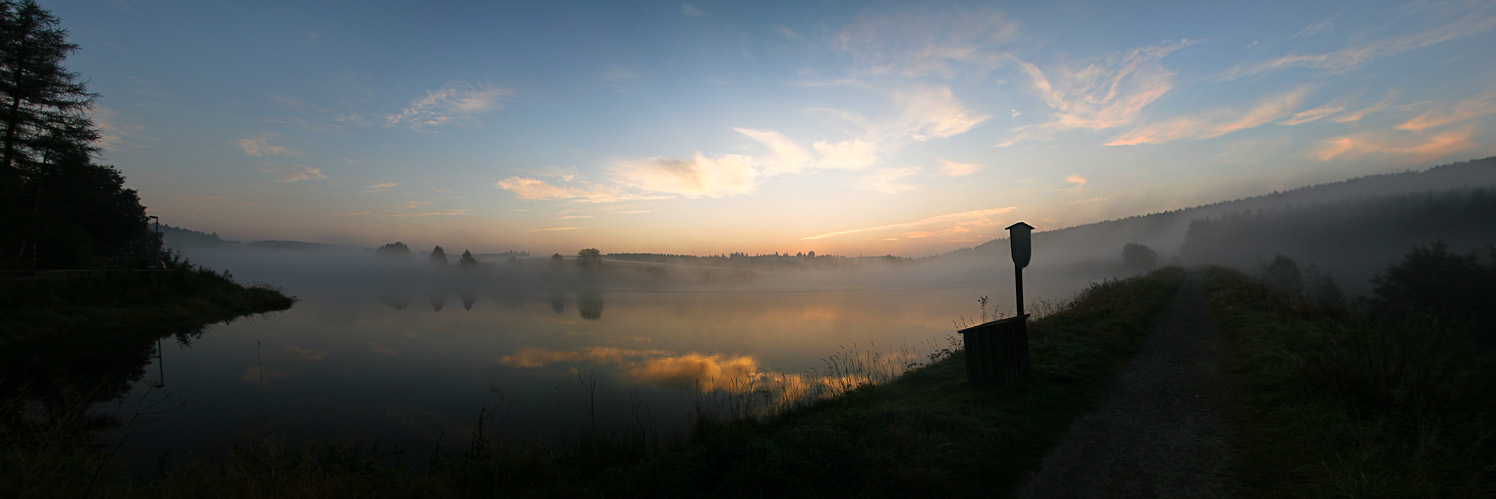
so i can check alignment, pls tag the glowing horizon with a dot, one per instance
(696, 128)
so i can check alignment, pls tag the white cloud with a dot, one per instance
(454, 102)
(1097, 95)
(690, 10)
(700, 176)
(298, 173)
(786, 156)
(934, 112)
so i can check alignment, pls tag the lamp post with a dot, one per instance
(1022, 246)
(158, 235)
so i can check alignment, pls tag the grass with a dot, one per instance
(1326, 403)
(927, 432)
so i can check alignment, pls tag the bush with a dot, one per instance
(1430, 283)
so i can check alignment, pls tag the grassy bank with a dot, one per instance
(926, 433)
(127, 302)
(1329, 404)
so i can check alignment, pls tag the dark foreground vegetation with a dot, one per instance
(1391, 397)
(928, 432)
(80, 307)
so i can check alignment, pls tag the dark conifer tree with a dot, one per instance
(57, 208)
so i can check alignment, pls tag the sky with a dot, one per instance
(855, 128)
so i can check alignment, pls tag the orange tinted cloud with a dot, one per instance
(1465, 110)
(974, 218)
(1215, 123)
(1416, 147)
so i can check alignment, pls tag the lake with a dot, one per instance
(409, 355)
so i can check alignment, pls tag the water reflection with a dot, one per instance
(51, 386)
(353, 360)
(738, 377)
(590, 305)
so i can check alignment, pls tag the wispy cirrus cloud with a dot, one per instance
(949, 223)
(455, 102)
(691, 10)
(1413, 146)
(536, 189)
(1312, 115)
(436, 213)
(1214, 123)
(1465, 20)
(1445, 114)
(116, 131)
(297, 173)
(261, 146)
(380, 187)
(1357, 115)
(621, 79)
(1315, 28)
(917, 42)
(932, 111)
(1098, 95)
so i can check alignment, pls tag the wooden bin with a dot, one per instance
(997, 352)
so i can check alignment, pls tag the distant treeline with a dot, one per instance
(1350, 229)
(1350, 239)
(1164, 231)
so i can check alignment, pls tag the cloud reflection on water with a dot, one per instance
(719, 374)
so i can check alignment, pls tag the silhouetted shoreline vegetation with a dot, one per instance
(84, 305)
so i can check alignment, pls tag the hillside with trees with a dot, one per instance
(1349, 229)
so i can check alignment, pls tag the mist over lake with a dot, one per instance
(407, 354)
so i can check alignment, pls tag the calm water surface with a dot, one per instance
(412, 365)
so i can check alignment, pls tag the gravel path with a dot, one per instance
(1158, 431)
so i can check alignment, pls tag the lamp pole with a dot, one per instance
(1022, 246)
(158, 235)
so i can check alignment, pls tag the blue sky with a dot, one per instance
(855, 128)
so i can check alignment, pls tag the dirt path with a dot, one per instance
(1158, 431)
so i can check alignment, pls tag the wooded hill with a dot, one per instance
(1351, 228)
